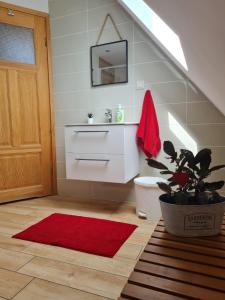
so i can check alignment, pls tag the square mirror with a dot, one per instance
(109, 63)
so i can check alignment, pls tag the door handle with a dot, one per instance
(87, 131)
(92, 159)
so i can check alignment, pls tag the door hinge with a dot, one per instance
(46, 42)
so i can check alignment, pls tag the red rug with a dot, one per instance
(96, 236)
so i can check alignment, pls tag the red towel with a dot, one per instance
(148, 130)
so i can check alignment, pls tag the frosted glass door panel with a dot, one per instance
(16, 44)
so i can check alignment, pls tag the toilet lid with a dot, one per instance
(148, 181)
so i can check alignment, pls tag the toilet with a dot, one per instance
(147, 195)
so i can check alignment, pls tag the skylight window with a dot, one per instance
(167, 37)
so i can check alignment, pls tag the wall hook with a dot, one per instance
(10, 12)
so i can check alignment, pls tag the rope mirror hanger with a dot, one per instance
(108, 16)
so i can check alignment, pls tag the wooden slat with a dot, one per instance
(183, 265)
(185, 255)
(160, 229)
(160, 223)
(141, 293)
(218, 238)
(180, 275)
(174, 287)
(193, 241)
(187, 247)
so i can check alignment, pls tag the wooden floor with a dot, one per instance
(35, 271)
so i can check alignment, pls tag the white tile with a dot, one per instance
(208, 135)
(61, 170)
(109, 97)
(137, 113)
(79, 189)
(71, 63)
(59, 134)
(167, 134)
(71, 82)
(139, 34)
(110, 35)
(177, 110)
(194, 94)
(156, 72)
(70, 44)
(60, 8)
(203, 113)
(70, 116)
(172, 92)
(146, 52)
(73, 100)
(69, 24)
(60, 154)
(114, 192)
(96, 3)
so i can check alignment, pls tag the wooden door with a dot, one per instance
(26, 160)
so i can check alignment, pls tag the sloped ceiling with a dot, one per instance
(200, 25)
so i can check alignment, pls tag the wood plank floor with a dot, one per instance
(35, 271)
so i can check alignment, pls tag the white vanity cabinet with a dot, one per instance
(101, 152)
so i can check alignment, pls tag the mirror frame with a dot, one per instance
(91, 68)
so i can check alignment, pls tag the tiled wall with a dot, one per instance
(75, 25)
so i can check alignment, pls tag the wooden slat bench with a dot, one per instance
(179, 268)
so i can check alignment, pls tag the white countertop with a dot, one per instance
(100, 124)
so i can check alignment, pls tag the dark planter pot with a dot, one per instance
(192, 220)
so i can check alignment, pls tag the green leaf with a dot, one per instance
(195, 168)
(201, 186)
(170, 179)
(191, 188)
(202, 154)
(203, 158)
(216, 168)
(212, 186)
(164, 187)
(189, 158)
(203, 173)
(172, 183)
(169, 149)
(166, 172)
(155, 164)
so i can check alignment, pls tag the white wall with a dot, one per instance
(200, 25)
(75, 26)
(41, 5)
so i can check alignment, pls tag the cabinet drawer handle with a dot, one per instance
(87, 131)
(93, 159)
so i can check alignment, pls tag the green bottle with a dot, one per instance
(119, 114)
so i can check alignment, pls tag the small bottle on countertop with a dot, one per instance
(119, 114)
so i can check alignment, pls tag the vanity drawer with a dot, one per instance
(95, 167)
(95, 139)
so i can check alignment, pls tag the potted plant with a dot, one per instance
(190, 205)
(90, 118)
